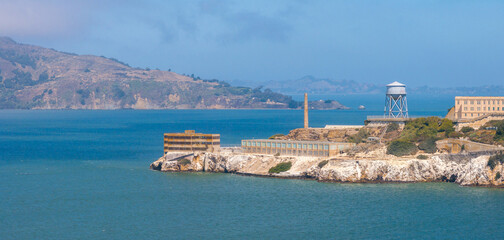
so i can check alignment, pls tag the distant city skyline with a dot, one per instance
(434, 43)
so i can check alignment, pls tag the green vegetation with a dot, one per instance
(494, 160)
(467, 129)
(421, 129)
(14, 57)
(323, 163)
(276, 135)
(402, 148)
(499, 133)
(281, 167)
(392, 127)
(428, 145)
(421, 156)
(455, 135)
(359, 137)
(497, 176)
(184, 162)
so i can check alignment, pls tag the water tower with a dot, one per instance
(396, 105)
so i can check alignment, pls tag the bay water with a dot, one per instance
(75, 174)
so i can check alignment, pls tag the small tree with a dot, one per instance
(401, 148)
(281, 167)
(428, 145)
(467, 129)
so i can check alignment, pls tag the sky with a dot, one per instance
(436, 43)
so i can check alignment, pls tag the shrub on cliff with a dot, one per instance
(401, 148)
(276, 136)
(467, 129)
(323, 163)
(184, 162)
(499, 134)
(281, 167)
(423, 128)
(428, 145)
(421, 156)
(359, 137)
(455, 135)
(494, 160)
(392, 127)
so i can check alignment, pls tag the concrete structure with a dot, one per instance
(190, 141)
(295, 148)
(396, 104)
(344, 126)
(473, 107)
(306, 110)
(451, 145)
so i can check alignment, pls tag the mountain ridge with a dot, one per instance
(33, 77)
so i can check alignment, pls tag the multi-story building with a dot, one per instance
(473, 107)
(190, 141)
(295, 148)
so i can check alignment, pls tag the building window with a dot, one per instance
(472, 108)
(268, 144)
(288, 145)
(465, 114)
(244, 143)
(326, 147)
(465, 102)
(478, 102)
(472, 102)
(315, 146)
(283, 145)
(471, 114)
(465, 108)
(304, 146)
(488, 108)
(458, 102)
(310, 146)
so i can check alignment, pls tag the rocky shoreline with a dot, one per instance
(463, 169)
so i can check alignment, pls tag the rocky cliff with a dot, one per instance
(466, 170)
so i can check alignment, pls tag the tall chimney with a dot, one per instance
(306, 110)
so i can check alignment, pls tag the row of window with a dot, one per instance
(287, 151)
(185, 149)
(479, 102)
(484, 108)
(286, 145)
(192, 137)
(192, 143)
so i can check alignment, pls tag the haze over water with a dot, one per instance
(84, 175)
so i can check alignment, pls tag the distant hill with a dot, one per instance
(310, 84)
(33, 77)
(326, 86)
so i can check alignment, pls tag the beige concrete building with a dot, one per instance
(473, 107)
(190, 141)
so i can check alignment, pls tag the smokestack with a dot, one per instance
(306, 110)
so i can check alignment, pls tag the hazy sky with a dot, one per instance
(416, 42)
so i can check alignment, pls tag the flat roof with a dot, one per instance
(297, 141)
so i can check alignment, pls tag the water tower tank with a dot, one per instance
(396, 89)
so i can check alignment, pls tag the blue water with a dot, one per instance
(84, 175)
